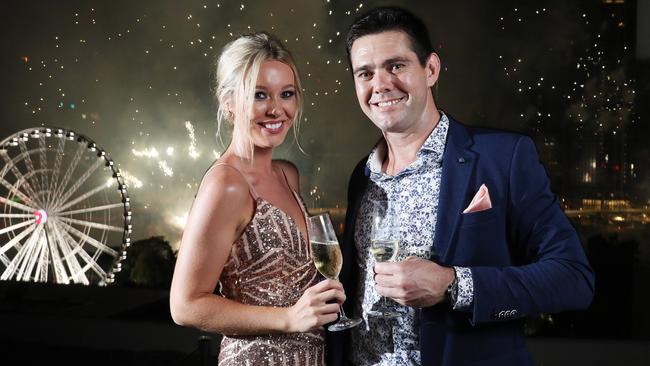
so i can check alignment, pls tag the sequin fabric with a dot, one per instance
(270, 265)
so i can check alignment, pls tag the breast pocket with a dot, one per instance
(480, 239)
(478, 218)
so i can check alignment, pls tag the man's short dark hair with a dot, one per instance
(391, 18)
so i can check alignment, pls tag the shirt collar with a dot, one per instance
(434, 144)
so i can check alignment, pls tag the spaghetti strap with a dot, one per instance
(250, 186)
(296, 197)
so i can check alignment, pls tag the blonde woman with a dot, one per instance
(246, 230)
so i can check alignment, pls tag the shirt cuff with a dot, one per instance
(465, 297)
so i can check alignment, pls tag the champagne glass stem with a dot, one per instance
(342, 312)
(343, 316)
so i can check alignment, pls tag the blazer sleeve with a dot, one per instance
(555, 275)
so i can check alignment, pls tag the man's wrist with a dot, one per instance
(465, 290)
(452, 289)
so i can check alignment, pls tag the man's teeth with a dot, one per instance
(390, 102)
(273, 126)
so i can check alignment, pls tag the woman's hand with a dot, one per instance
(312, 311)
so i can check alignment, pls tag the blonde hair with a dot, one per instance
(237, 70)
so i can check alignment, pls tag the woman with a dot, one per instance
(247, 231)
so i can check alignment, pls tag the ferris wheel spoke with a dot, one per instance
(4, 259)
(60, 274)
(15, 188)
(43, 161)
(29, 164)
(39, 262)
(17, 205)
(90, 209)
(78, 183)
(68, 173)
(91, 224)
(19, 258)
(16, 240)
(70, 254)
(13, 161)
(92, 241)
(15, 216)
(17, 226)
(24, 181)
(91, 192)
(33, 247)
(91, 262)
(20, 178)
(58, 158)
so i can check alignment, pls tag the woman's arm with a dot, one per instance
(221, 210)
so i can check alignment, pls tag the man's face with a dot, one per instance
(392, 87)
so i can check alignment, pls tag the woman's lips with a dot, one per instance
(272, 127)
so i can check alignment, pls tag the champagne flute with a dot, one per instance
(327, 257)
(384, 245)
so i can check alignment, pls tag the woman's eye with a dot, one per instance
(288, 94)
(260, 95)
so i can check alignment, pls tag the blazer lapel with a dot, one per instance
(457, 165)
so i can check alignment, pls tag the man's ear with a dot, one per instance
(433, 69)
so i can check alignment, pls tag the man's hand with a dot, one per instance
(413, 282)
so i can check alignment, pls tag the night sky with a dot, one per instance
(136, 77)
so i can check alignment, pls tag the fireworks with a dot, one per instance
(137, 79)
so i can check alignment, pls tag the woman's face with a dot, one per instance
(275, 104)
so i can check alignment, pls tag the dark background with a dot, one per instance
(136, 76)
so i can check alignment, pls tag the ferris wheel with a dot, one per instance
(64, 209)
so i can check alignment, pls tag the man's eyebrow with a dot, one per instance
(361, 68)
(386, 63)
(393, 60)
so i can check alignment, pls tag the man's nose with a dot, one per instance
(383, 81)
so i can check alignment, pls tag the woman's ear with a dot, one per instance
(229, 110)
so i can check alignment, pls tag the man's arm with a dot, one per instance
(557, 276)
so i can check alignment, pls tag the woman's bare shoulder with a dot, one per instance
(225, 184)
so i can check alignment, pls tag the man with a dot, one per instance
(484, 242)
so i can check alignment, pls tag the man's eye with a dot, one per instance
(396, 67)
(260, 95)
(363, 75)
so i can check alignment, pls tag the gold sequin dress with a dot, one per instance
(270, 265)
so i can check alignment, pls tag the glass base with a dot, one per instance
(381, 313)
(343, 324)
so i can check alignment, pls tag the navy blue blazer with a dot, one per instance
(526, 258)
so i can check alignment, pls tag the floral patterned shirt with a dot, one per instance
(414, 191)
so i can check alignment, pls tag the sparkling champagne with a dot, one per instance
(384, 250)
(327, 258)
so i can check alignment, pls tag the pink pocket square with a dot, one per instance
(480, 202)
